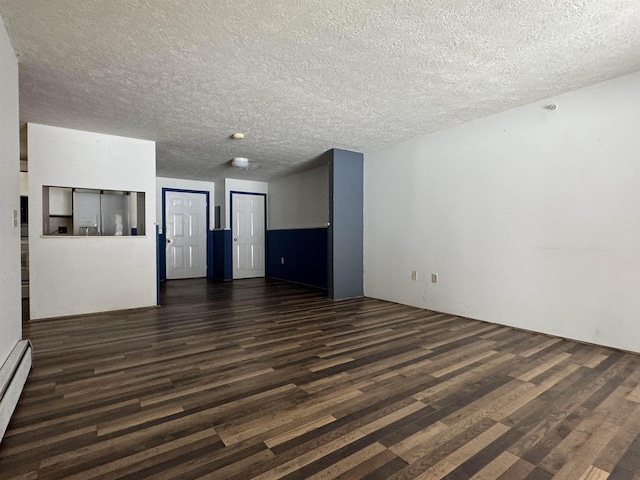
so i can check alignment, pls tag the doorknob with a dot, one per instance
(235, 239)
(168, 240)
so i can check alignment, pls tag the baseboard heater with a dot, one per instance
(13, 376)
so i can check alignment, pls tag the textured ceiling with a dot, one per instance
(301, 76)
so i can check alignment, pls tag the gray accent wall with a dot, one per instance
(345, 224)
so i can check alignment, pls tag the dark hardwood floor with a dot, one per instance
(260, 379)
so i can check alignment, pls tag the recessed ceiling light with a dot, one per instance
(237, 136)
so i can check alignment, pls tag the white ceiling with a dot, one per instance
(301, 76)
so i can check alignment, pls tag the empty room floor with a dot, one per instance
(262, 379)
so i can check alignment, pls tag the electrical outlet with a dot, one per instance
(434, 278)
(282, 260)
(414, 275)
(15, 218)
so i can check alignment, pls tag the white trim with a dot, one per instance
(13, 376)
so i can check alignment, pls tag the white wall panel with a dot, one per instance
(10, 297)
(77, 275)
(530, 217)
(300, 200)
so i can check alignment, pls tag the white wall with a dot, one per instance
(300, 200)
(163, 182)
(76, 275)
(530, 217)
(235, 185)
(10, 297)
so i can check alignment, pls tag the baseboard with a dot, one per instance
(13, 376)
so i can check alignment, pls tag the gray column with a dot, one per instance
(345, 224)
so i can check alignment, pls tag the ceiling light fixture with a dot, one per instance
(238, 136)
(240, 162)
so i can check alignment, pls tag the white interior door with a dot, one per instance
(248, 235)
(186, 231)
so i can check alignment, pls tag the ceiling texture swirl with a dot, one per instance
(300, 77)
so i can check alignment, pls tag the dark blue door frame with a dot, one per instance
(162, 237)
(266, 246)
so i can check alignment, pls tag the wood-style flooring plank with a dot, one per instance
(262, 379)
